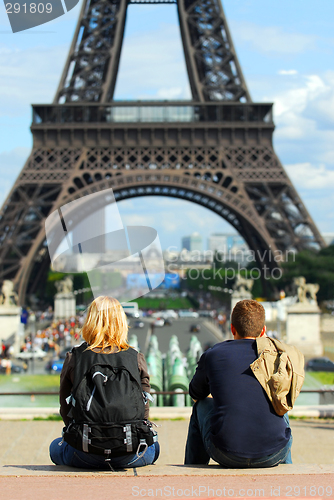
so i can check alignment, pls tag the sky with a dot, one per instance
(285, 50)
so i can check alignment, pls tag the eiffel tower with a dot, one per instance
(214, 150)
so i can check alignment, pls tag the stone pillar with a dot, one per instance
(303, 328)
(64, 306)
(10, 320)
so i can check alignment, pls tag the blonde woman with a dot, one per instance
(104, 392)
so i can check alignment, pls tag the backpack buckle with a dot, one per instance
(128, 437)
(108, 459)
(85, 441)
(142, 442)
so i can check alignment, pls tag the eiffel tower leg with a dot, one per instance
(91, 68)
(213, 67)
(38, 191)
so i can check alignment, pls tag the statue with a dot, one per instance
(10, 316)
(243, 285)
(64, 299)
(8, 296)
(65, 285)
(241, 290)
(306, 291)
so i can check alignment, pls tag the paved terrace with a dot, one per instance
(26, 472)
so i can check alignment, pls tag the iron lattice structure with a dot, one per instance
(215, 150)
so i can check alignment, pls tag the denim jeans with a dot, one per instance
(61, 453)
(199, 447)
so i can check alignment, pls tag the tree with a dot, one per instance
(316, 267)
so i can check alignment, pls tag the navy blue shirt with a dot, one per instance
(244, 422)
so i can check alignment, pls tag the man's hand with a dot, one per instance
(195, 400)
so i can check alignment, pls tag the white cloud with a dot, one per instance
(304, 136)
(304, 116)
(297, 98)
(308, 176)
(272, 38)
(321, 107)
(288, 72)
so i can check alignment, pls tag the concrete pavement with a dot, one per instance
(26, 472)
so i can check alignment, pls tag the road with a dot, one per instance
(180, 328)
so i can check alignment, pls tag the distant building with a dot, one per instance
(217, 242)
(192, 242)
(230, 246)
(223, 242)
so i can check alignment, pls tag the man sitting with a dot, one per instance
(237, 426)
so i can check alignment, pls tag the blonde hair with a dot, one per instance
(106, 326)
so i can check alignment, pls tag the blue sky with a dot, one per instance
(286, 52)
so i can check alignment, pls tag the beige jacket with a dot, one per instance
(280, 371)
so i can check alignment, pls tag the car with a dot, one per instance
(205, 314)
(159, 322)
(166, 314)
(188, 314)
(54, 365)
(195, 328)
(138, 324)
(157, 314)
(320, 365)
(170, 313)
(132, 314)
(35, 353)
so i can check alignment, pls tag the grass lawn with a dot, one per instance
(29, 383)
(166, 303)
(21, 383)
(325, 378)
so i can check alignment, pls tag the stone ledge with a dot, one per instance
(164, 413)
(166, 470)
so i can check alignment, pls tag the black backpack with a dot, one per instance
(108, 405)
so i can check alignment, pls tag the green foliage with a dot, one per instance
(80, 280)
(316, 267)
(223, 277)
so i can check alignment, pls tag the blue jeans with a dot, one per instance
(61, 453)
(199, 447)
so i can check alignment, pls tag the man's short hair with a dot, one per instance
(248, 318)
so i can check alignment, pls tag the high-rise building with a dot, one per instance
(223, 242)
(192, 242)
(217, 242)
(231, 246)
